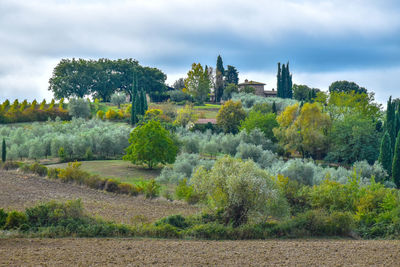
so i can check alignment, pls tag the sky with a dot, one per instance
(324, 41)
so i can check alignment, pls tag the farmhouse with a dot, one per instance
(259, 88)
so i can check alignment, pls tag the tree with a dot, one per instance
(352, 138)
(103, 77)
(241, 190)
(118, 99)
(78, 107)
(198, 83)
(396, 163)
(230, 116)
(304, 129)
(274, 109)
(248, 90)
(231, 75)
(304, 93)
(386, 154)
(284, 81)
(151, 144)
(3, 151)
(179, 84)
(219, 79)
(390, 124)
(263, 121)
(185, 116)
(229, 90)
(347, 87)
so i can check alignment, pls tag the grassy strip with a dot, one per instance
(73, 173)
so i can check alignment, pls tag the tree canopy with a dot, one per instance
(347, 87)
(101, 78)
(197, 83)
(151, 144)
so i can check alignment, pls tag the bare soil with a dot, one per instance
(147, 252)
(19, 191)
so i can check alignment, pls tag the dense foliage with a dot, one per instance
(101, 78)
(151, 144)
(77, 139)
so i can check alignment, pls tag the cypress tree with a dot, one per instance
(284, 82)
(220, 65)
(141, 103)
(134, 93)
(385, 153)
(137, 105)
(4, 151)
(390, 121)
(219, 79)
(396, 163)
(145, 105)
(279, 82)
(289, 92)
(274, 110)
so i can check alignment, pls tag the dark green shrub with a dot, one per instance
(175, 220)
(210, 231)
(55, 213)
(15, 220)
(320, 223)
(3, 217)
(160, 231)
(111, 186)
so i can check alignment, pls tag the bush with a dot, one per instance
(3, 218)
(177, 221)
(38, 169)
(151, 189)
(10, 165)
(242, 190)
(79, 108)
(100, 114)
(15, 220)
(320, 223)
(179, 96)
(53, 173)
(186, 192)
(127, 189)
(111, 186)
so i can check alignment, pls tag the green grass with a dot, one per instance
(208, 106)
(120, 170)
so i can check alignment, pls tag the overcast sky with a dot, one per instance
(324, 41)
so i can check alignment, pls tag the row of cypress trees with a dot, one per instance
(389, 154)
(139, 101)
(284, 81)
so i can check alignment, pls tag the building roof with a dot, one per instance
(247, 82)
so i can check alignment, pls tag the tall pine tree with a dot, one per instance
(386, 153)
(3, 151)
(390, 125)
(219, 79)
(396, 163)
(284, 81)
(134, 94)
